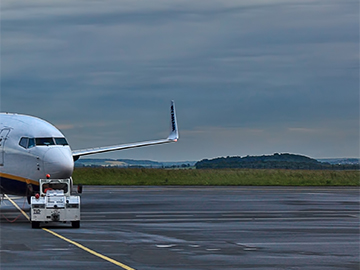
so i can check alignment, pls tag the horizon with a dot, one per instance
(179, 161)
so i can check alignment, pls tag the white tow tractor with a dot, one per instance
(55, 203)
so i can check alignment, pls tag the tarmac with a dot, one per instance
(192, 228)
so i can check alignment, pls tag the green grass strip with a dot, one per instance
(214, 177)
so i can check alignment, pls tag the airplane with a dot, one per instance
(32, 149)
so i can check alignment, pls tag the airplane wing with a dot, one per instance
(173, 137)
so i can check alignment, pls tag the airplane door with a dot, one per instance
(3, 136)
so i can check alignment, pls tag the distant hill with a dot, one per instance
(125, 163)
(276, 161)
(340, 160)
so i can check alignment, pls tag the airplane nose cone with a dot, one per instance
(58, 162)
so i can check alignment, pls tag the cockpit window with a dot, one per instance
(32, 142)
(27, 142)
(24, 142)
(61, 141)
(44, 141)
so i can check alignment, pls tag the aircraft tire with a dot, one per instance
(35, 224)
(75, 224)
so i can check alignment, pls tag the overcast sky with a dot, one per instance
(248, 77)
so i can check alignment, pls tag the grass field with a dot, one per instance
(221, 177)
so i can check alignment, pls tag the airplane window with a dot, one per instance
(31, 142)
(24, 142)
(44, 141)
(61, 141)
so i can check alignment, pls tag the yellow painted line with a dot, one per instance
(89, 250)
(14, 203)
(73, 242)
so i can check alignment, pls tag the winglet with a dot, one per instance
(174, 135)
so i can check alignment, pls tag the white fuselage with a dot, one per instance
(31, 148)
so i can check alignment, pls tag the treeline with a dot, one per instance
(276, 161)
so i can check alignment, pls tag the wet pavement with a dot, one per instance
(193, 228)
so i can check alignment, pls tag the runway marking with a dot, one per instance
(215, 219)
(180, 213)
(264, 244)
(166, 246)
(14, 203)
(161, 216)
(89, 250)
(73, 242)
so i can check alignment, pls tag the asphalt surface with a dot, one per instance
(193, 228)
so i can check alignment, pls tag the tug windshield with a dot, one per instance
(55, 186)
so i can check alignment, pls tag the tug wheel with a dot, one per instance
(75, 224)
(35, 224)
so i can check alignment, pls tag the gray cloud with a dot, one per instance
(248, 77)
